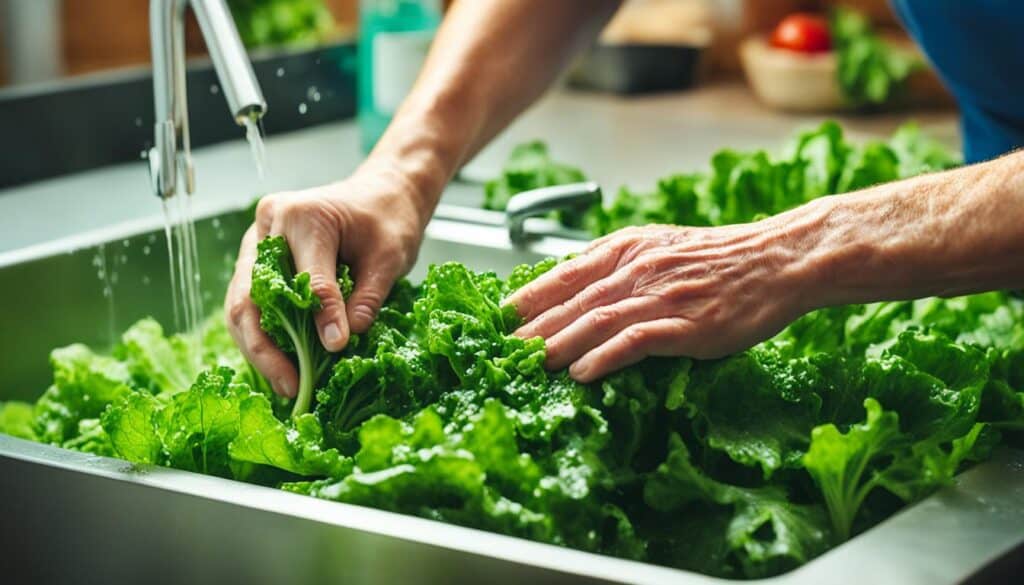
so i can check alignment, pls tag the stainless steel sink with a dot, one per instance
(71, 517)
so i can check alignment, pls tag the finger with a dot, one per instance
(670, 336)
(599, 294)
(243, 324)
(597, 327)
(266, 357)
(264, 217)
(373, 281)
(238, 287)
(321, 263)
(561, 283)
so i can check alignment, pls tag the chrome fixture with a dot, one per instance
(170, 157)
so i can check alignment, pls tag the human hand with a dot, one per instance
(373, 221)
(665, 291)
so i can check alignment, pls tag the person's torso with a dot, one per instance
(977, 46)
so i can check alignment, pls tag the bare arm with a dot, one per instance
(943, 234)
(708, 292)
(490, 60)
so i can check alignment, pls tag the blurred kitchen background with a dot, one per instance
(44, 40)
(668, 83)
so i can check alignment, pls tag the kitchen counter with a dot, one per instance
(615, 140)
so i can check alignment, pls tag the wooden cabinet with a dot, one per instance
(105, 34)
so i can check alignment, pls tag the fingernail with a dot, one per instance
(332, 334)
(283, 386)
(576, 371)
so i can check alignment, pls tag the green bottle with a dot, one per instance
(394, 37)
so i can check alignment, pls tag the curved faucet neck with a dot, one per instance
(170, 157)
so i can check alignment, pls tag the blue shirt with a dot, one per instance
(977, 46)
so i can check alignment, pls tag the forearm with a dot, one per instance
(490, 60)
(942, 234)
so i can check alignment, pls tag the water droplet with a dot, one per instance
(138, 122)
(214, 89)
(144, 154)
(107, 292)
(151, 239)
(126, 243)
(216, 222)
(303, 108)
(280, 71)
(145, 280)
(146, 250)
(313, 94)
(123, 259)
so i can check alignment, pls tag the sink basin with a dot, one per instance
(70, 516)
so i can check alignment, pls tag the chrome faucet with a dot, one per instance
(170, 157)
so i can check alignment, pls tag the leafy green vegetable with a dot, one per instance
(263, 439)
(767, 534)
(16, 420)
(745, 186)
(871, 72)
(530, 166)
(84, 383)
(281, 22)
(740, 186)
(746, 466)
(287, 306)
(918, 153)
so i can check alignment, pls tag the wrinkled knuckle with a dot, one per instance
(371, 297)
(236, 311)
(324, 288)
(523, 299)
(637, 337)
(265, 208)
(638, 271)
(605, 318)
(597, 293)
(570, 274)
(261, 347)
(677, 295)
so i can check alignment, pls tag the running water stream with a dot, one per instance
(183, 249)
(254, 135)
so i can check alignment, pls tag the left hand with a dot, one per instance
(666, 291)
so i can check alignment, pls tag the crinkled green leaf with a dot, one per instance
(840, 463)
(871, 72)
(16, 419)
(197, 426)
(754, 531)
(296, 447)
(84, 383)
(130, 423)
(287, 307)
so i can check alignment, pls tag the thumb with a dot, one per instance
(373, 282)
(331, 322)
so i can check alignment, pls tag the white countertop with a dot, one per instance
(614, 140)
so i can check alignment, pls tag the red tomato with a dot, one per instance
(803, 32)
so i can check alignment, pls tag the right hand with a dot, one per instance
(373, 221)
